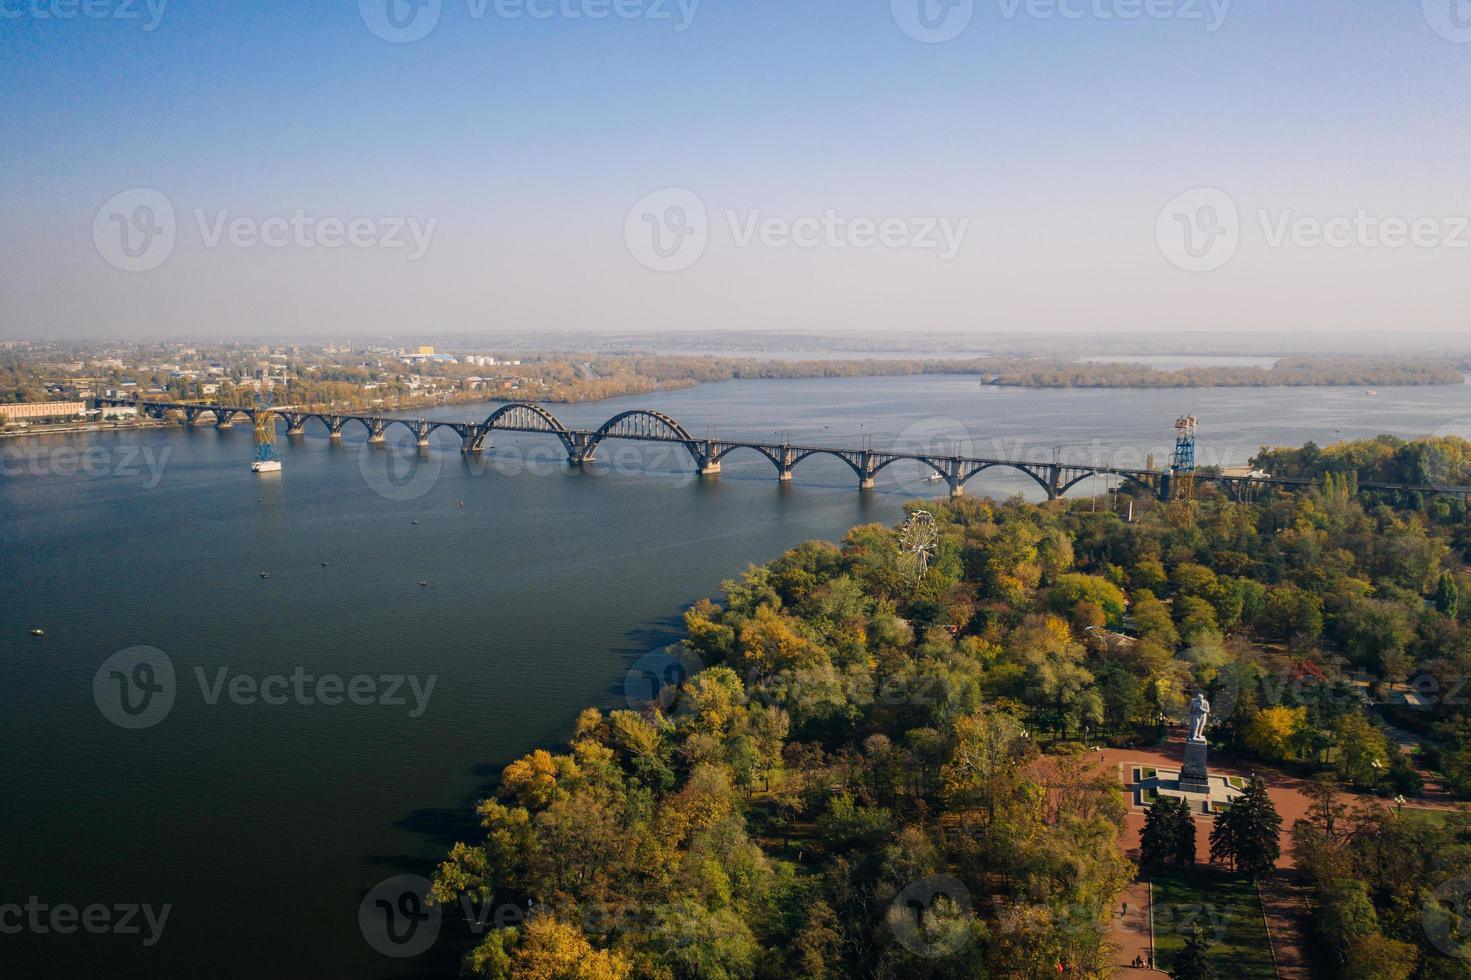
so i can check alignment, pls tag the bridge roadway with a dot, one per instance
(1055, 478)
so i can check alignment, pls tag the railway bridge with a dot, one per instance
(644, 425)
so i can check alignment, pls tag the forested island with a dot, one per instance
(872, 764)
(331, 377)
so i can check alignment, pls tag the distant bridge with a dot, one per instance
(643, 425)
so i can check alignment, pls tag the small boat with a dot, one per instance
(324, 564)
(1372, 394)
(38, 632)
(934, 478)
(423, 585)
(414, 523)
(265, 574)
(462, 505)
(266, 466)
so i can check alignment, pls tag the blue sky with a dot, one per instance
(1057, 140)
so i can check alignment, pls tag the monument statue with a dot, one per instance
(1200, 714)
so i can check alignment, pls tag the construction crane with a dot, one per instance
(266, 459)
(1182, 463)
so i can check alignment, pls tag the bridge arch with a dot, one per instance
(807, 453)
(725, 451)
(530, 416)
(1023, 467)
(643, 423)
(915, 459)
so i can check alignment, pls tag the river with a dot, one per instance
(262, 825)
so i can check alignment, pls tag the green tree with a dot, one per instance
(1447, 595)
(1194, 962)
(1248, 835)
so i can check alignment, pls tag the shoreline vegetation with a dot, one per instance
(568, 378)
(861, 764)
(640, 375)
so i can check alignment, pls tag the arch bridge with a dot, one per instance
(645, 425)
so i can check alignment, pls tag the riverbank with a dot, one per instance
(52, 430)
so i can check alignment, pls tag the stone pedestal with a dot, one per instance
(1194, 776)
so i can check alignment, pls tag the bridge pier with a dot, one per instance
(421, 434)
(952, 477)
(224, 421)
(784, 467)
(472, 438)
(1054, 481)
(334, 426)
(582, 449)
(295, 423)
(376, 428)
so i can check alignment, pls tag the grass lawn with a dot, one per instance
(1227, 910)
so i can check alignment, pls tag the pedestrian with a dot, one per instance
(1126, 909)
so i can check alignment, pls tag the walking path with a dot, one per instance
(1283, 898)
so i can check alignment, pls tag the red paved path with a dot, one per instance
(1282, 897)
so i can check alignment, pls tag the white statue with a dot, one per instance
(1200, 713)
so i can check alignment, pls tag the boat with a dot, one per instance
(266, 466)
(38, 632)
(934, 478)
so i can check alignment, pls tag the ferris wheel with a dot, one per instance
(917, 540)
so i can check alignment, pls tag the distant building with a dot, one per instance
(424, 351)
(42, 411)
